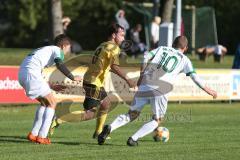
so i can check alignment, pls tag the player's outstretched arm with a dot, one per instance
(200, 84)
(210, 92)
(61, 67)
(116, 69)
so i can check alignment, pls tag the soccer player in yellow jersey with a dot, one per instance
(105, 58)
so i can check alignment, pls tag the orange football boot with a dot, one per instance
(43, 140)
(31, 137)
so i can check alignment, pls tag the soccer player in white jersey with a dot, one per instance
(159, 71)
(31, 79)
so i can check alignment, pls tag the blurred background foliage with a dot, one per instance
(24, 23)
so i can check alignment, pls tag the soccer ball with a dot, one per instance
(161, 134)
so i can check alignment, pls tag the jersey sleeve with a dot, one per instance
(188, 68)
(60, 66)
(115, 55)
(197, 80)
(58, 53)
(149, 55)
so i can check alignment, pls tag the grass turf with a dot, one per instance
(197, 131)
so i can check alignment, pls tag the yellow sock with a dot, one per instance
(101, 118)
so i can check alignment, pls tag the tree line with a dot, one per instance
(26, 23)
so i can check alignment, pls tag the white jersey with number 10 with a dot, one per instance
(166, 63)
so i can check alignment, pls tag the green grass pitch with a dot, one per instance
(206, 131)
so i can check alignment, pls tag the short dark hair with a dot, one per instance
(180, 42)
(113, 28)
(61, 40)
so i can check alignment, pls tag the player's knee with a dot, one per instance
(53, 104)
(133, 114)
(105, 104)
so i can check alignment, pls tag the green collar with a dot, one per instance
(62, 55)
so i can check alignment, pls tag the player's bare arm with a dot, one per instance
(200, 84)
(210, 92)
(116, 69)
(61, 67)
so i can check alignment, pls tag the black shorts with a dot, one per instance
(93, 95)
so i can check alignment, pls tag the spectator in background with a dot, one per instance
(75, 46)
(138, 47)
(120, 18)
(155, 31)
(218, 51)
(236, 61)
(65, 21)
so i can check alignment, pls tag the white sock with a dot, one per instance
(120, 121)
(38, 120)
(47, 120)
(145, 130)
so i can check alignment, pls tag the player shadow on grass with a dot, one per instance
(14, 139)
(146, 140)
(84, 143)
(67, 143)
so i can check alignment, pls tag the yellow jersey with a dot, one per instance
(105, 55)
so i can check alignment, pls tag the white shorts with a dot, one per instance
(34, 86)
(158, 104)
